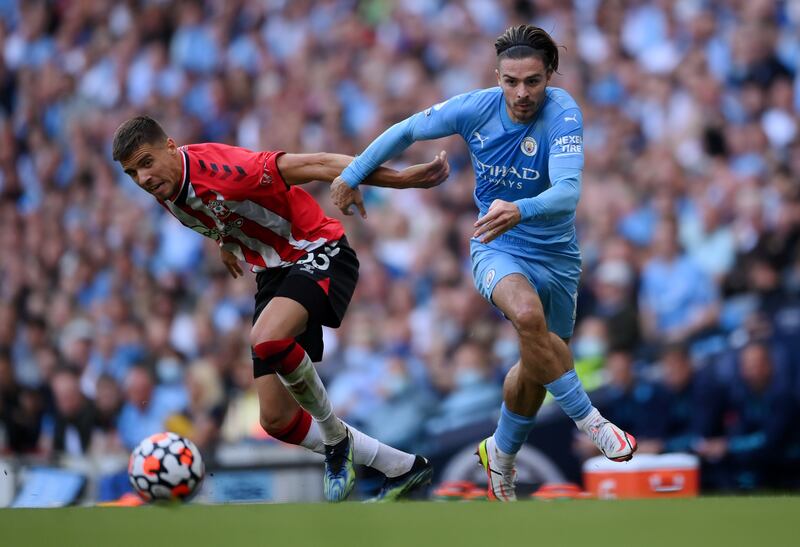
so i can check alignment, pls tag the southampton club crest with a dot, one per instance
(225, 223)
(529, 146)
(220, 210)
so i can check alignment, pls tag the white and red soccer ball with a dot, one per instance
(166, 466)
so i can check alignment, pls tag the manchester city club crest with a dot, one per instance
(529, 146)
(489, 278)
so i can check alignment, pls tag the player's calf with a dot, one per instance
(298, 375)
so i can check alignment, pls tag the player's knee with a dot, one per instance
(257, 336)
(288, 427)
(275, 421)
(529, 320)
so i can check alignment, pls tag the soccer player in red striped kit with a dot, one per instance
(306, 273)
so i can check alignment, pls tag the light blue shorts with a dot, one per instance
(553, 275)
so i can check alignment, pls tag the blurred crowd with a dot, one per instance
(116, 322)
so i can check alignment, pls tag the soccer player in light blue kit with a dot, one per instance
(526, 143)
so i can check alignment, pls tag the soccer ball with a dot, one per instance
(166, 466)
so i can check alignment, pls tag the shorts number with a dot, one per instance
(320, 261)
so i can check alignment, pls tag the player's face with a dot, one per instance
(156, 168)
(524, 82)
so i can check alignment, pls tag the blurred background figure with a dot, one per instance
(756, 440)
(147, 407)
(474, 395)
(678, 300)
(74, 418)
(692, 403)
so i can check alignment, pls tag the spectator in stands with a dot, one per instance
(34, 337)
(20, 410)
(74, 419)
(399, 417)
(474, 397)
(709, 241)
(590, 346)
(202, 418)
(692, 404)
(241, 422)
(678, 300)
(614, 302)
(146, 407)
(759, 416)
(108, 403)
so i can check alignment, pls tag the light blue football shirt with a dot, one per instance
(537, 165)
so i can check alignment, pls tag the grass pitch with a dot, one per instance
(734, 521)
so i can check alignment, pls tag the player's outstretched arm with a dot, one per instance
(438, 121)
(303, 168)
(424, 175)
(325, 167)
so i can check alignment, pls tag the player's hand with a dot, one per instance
(501, 217)
(343, 197)
(427, 175)
(231, 263)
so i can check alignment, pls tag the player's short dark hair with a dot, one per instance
(525, 41)
(134, 133)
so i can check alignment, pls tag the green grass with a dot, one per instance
(751, 521)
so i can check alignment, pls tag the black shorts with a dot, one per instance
(323, 282)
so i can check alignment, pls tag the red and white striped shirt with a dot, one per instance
(238, 197)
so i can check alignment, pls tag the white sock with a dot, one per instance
(392, 462)
(313, 439)
(308, 390)
(366, 451)
(590, 419)
(504, 461)
(365, 448)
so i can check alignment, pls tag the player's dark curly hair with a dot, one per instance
(134, 133)
(527, 41)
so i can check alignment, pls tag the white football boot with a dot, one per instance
(501, 482)
(615, 444)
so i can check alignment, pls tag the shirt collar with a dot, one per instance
(180, 196)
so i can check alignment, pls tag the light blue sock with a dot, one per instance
(512, 430)
(570, 396)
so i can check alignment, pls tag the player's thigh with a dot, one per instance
(556, 277)
(506, 282)
(281, 318)
(277, 406)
